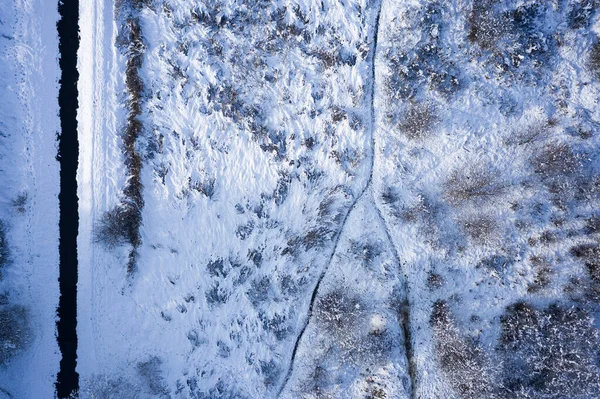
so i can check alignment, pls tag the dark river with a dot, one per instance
(68, 152)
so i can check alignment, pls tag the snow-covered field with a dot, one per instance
(29, 185)
(346, 199)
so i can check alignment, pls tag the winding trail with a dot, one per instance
(368, 187)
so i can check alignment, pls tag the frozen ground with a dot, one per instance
(29, 125)
(354, 199)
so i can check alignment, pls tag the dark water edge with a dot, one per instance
(67, 382)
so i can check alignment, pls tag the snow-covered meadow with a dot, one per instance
(29, 185)
(346, 199)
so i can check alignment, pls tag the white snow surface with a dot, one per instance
(29, 176)
(281, 153)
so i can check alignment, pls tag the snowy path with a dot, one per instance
(366, 190)
(97, 137)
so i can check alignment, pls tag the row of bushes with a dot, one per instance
(121, 224)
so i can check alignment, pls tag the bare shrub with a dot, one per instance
(549, 353)
(594, 59)
(434, 281)
(418, 121)
(529, 135)
(206, 187)
(590, 255)
(259, 290)
(542, 268)
(220, 390)
(581, 13)
(150, 372)
(20, 202)
(216, 295)
(243, 231)
(104, 387)
(119, 226)
(481, 228)
(486, 26)
(592, 225)
(4, 250)
(464, 363)
(271, 371)
(318, 382)
(277, 324)
(216, 268)
(338, 311)
(15, 331)
(282, 189)
(473, 185)
(255, 256)
(365, 252)
(555, 160)
(426, 65)
(497, 264)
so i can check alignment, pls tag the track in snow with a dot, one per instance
(367, 187)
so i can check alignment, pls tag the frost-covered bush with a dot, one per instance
(486, 26)
(418, 121)
(338, 311)
(482, 229)
(589, 254)
(529, 135)
(365, 252)
(592, 225)
(594, 60)
(516, 40)
(119, 225)
(549, 353)
(216, 268)
(474, 184)
(4, 251)
(427, 64)
(20, 202)
(581, 13)
(542, 269)
(464, 363)
(434, 281)
(271, 371)
(216, 295)
(104, 387)
(259, 290)
(150, 372)
(555, 160)
(15, 331)
(206, 187)
(498, 264)
(277, 324)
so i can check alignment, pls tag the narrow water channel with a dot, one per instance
(68, 153)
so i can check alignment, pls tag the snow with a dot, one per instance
(319, 178)
(28, 130)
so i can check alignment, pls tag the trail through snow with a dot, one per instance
(368, 190)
